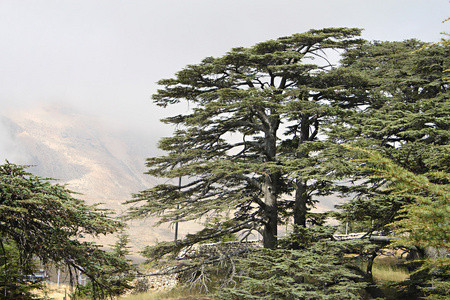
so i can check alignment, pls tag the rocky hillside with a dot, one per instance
(80, 151)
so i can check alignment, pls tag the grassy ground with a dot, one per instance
(383, 273)
(53, 291)
(389, 269)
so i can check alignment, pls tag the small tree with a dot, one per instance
(16, 278)
(120, 247)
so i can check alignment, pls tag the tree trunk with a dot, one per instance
(300, 209)
(271, 212)
(271, 183)
(370, 265)
(301, 195)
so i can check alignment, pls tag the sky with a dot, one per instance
(104, 57)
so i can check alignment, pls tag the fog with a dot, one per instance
(104, 57)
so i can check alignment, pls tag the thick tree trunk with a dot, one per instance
(301, 195)
(271, 183)
(271, 212)
(300, 209)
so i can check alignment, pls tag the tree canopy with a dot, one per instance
(405, 116)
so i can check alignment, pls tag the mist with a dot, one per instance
(10, 148)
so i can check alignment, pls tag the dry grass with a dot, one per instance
(52, 291)
(388, 268)
(174, 294)
(389, 273)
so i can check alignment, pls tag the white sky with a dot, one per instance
(104, 56)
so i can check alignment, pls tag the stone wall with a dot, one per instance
(155, 283)
(217, 249)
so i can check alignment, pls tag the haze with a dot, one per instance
(104, 57)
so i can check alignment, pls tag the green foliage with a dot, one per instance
(42, 220)
(15, 277)
(83, 292)
(404, 114)
(216, 224)
(120, 247)
(425, 223)
(308, 265)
